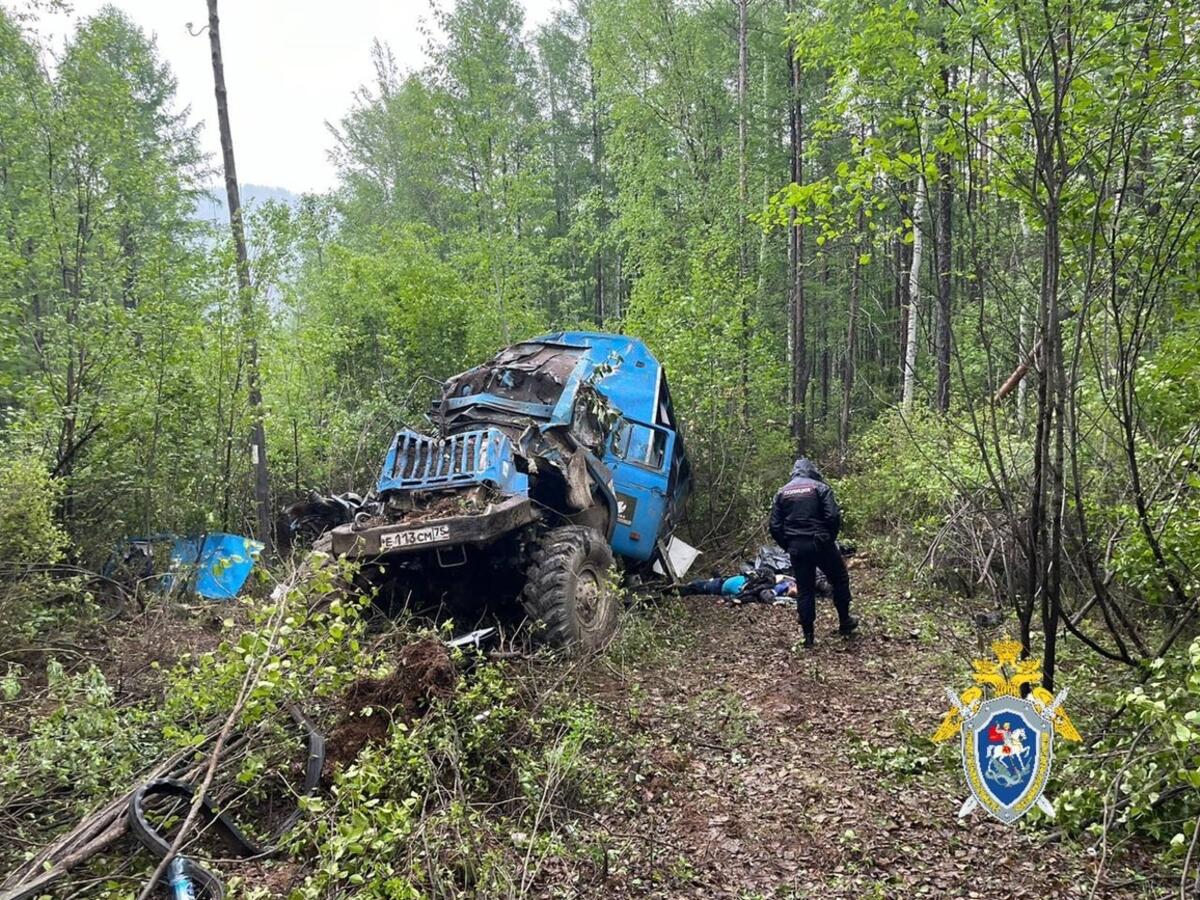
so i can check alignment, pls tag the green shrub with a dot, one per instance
(29, 529)
(906, 469)
(32, 542)
(1143, 778)
(89, 744)
(480, 779)
(86, 744)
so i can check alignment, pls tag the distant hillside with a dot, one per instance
(213, 208)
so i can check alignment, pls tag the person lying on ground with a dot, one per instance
(740, 586)
(716, 586)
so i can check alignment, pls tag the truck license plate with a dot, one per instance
(417, 537)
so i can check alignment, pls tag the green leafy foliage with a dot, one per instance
(907, 471)
(1144, 778)
(30, 532)
(32, 542)
(81, 748)
(476, 778)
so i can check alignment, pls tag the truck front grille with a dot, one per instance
(423, 461)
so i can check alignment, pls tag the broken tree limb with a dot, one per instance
(36, 886)
(253, 672)
(202, 793)
(90, 836)
(1018, 373)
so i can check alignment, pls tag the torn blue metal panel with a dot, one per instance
(537, 410)
(631, 386)
(215, 565)
(564, 410)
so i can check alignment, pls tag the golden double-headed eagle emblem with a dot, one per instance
(1007, 723)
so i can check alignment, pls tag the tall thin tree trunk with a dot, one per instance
(945, 249)
(914, 296)
(901, 261)
(743, 76)
(743, 200)
(617, 292)
(558, 182)
(1023, 344)
(1047, 498)
(1052, 599)
(798, 312)
(826, 368)
(1045, 517)
(851, 339)
(769, 138)
(258, 439)
(598, 175)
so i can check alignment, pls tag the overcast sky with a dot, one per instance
(290, 66)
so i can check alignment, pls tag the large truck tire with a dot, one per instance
(568, 593)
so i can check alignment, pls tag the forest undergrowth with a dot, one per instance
(703, 754)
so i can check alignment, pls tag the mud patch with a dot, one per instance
(424, 673)
(275, 878)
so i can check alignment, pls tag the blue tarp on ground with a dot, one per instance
(217, 564)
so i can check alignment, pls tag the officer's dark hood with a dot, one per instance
(804, 468)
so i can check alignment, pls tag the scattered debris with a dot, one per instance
(770, 557)
(310, 518)
(94, 834)
(217, 820)
(474, 639)
(776, 559)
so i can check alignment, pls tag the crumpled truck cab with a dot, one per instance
(550, 459)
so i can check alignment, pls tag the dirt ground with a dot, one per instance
(758, 770)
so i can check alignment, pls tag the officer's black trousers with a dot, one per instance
(812, 553)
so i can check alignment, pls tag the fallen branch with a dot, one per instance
(1018, 373)
(248, 682)
(1027, 363)
(100, 843)
(94, 833)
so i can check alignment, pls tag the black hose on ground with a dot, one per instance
(206, 883)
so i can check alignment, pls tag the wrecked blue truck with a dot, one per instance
(553, 462)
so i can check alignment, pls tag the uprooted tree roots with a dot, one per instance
(424, 673)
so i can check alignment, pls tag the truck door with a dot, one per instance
(638, 456)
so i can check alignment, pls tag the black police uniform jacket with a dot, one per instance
(804, 507)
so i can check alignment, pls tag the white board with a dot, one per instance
(681, 555)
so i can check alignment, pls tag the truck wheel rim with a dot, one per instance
(588, 597)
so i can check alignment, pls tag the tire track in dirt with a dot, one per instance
(754, 770)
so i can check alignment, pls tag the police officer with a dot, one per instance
(805, 520)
